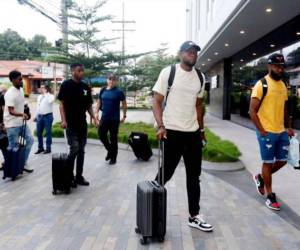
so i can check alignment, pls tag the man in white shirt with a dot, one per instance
(180, 125)
(44, 118)
(14, 115)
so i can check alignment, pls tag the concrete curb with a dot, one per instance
(223, 166)
(206, 165)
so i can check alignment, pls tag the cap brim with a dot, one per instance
(192, 46)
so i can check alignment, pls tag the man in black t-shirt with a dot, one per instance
(76, 98)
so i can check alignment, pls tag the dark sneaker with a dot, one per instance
(260, 185)
(47, 152)
(272, 203)
(39, 151)
(112, 162)
(199, 223)
(81, 181)
(107, 158)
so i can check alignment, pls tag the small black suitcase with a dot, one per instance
(151, 206)
(140, 145)
(62, 172)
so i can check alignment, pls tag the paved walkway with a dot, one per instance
(286, 183)
(102, 216)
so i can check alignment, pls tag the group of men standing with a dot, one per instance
(178, 111)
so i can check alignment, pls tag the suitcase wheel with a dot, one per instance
(137, 230)
(143, 240)
(67, 191)
(54, 192)
(161, 239)
(13, 179)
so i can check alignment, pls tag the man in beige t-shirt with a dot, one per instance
(180, 125)
(14, 115)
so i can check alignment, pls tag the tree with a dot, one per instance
(148, 68)
(86, 18)
(13, 46)
(37, 45)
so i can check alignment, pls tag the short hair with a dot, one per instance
(47, 87)
(74, 65)
(14, 75)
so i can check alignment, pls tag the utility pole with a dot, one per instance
(65, 4)
(123, 30)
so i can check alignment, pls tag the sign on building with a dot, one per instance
(47, 72)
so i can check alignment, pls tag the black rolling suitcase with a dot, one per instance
(140, 145)
(151, 206)
(61, 173)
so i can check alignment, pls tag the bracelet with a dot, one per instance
(161, 126)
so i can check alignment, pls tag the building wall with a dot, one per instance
(216, 94)
(205, 17)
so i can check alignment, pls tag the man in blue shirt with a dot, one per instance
(109, 102)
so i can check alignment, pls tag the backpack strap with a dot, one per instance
(264, 88)
(200, 78)
(170, 81)
(172, 76)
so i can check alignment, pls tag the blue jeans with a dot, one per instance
(13, 139)
(273, 146)
(44, 122)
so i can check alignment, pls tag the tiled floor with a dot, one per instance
(102, 216)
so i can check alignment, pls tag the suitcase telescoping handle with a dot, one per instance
(161, 163)
(22, 133)
(66, 140)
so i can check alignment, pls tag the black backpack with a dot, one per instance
(172, 76)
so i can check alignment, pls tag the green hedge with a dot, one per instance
(216, 150)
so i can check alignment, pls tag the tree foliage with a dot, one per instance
(15, 47)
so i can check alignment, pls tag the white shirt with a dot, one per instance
(180, 112)
(45, 104)
(14, 98)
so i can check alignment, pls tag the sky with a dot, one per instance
(157, 22)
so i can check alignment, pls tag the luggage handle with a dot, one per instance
(161, 162)
(22, 133)
(66, 140)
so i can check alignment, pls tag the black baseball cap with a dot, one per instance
(187, 45)
(277, 59)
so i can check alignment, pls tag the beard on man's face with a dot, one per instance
(276, 76)
(189, 63)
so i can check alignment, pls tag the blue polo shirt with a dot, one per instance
(110, 99)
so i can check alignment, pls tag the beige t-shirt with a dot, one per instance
(14, 98)
(180, 112)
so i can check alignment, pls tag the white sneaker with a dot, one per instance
(27, 169)
(199, 223)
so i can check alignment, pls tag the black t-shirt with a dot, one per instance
(77, 100)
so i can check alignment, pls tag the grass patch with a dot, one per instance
(216, 150)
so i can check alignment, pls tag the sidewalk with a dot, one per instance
(286, 182)
(103, 215)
